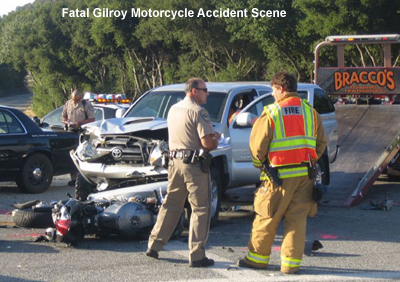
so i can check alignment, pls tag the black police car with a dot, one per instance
(30, 155)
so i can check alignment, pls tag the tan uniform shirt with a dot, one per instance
(188, 122)
(262, 133)
(76, 113)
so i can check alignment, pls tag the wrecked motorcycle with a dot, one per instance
(129, 219)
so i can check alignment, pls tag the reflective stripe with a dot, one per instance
(273, 111)
(310, 146)
(292, 172)
(287, 173)
(257, 163)
(290, 262)
(257, 258)
(306, 121)
(292, 143)
(264, 177)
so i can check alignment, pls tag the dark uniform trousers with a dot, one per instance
(291, 201)
(184, 179)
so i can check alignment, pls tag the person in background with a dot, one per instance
(234, 111)
(77, 112)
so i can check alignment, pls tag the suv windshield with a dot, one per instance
(158, 103)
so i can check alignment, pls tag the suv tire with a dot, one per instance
(82, 188)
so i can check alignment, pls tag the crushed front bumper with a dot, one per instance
(104, 176)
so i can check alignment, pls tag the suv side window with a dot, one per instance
(303, 94)
(322, 103)
(258, 107)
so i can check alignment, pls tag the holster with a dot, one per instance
(312, 171)
(205, 162)
(272, 173)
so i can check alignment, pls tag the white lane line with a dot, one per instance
(247, 275)
(221, 265)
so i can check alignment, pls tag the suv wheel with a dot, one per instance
(82, 188)
(323, 166)
(216, 190)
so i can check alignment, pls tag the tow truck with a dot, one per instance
(366, 94)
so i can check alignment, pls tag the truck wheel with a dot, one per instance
(216, 190)
(82, 188)
(29, 218)
(179, 227)
(323, 165)
(36, 174)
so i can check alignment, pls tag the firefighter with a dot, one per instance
(190, 130)
(287, 135)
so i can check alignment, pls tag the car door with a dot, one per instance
(240, 136)
(14, 142)
(326, 109)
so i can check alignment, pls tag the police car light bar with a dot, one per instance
(120, 101)
(106, 98)
(363, 38)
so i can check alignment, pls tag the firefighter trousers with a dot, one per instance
(184, 179)
(293, 202)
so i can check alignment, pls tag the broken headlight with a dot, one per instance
(159, 153)
(87, 149)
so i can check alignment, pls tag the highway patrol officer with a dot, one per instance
(287, 135)
(189, 130)
(77, 112)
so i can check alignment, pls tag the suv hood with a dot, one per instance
(125, 125)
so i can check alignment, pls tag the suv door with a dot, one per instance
(326, 109)
(242, 166)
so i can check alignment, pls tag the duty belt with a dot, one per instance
(183, 153)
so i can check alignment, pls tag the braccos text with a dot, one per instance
(172, 14)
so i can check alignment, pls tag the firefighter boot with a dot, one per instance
(244, 262)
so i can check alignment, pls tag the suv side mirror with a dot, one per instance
(119, 113)
(244, 120)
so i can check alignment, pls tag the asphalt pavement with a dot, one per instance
(20, 101)
(358, 245)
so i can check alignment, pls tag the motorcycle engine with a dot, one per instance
(129, 220)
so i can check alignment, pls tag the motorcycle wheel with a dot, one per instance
(29, 218)
(82, 188)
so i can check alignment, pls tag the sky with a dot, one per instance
(7, 6)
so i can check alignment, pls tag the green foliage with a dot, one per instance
(111, 55)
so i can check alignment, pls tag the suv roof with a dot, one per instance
(212, 86)
(228, 86)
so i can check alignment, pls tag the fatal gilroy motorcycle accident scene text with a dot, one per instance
(199, 141)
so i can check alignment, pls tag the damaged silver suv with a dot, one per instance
(132, 150)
